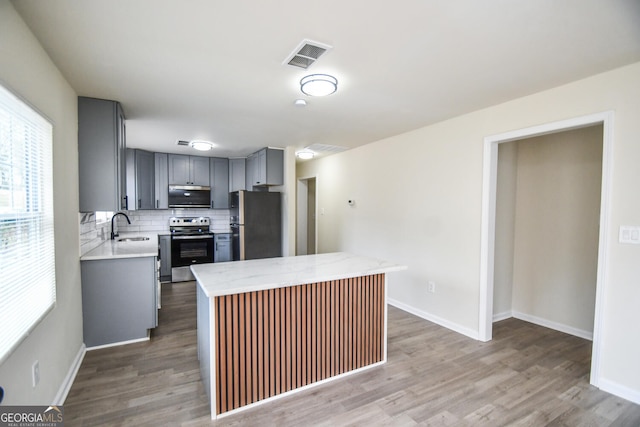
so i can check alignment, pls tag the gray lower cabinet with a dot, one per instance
(161, 180)
(119, 299)
(222, 247)
(164, 243)
(219, 172)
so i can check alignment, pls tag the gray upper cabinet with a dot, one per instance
(101, 155)
(161, 180)
(145, 182)
(251, 169)
(140, 179)
(265, 167)
(219, 181)
(188, 170)
(237, 176)
(199, 169)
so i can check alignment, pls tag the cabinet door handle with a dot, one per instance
(157, 204)
(212, 204)
(126, 203)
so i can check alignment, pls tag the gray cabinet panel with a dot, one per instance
(145, 180)
(118, 299)
(222, 247)
(101, 155)
(265, 167)
(161, 187)
(191, 170)
(178, 169)
(251, 167)
(219, 178)
(199, 170)
(165, 257)
(131, 178)
(140, 179)
(237, 174)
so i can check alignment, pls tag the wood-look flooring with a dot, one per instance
(527, 376)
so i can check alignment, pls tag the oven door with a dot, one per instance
(191, 249)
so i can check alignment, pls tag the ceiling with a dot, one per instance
(213, 70)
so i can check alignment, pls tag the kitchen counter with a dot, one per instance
(256, 275)
(111, 249)
(120, 291)
(272, 327)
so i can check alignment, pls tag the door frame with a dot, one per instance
(302, 195)
(487, 239)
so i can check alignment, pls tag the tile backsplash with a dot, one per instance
(93, 231)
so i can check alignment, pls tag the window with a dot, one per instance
(27, 258)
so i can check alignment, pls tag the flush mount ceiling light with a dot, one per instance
(201, 145)
(305, 154)
(318, 85)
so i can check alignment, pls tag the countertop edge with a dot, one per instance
(271, 284)
(108, 249)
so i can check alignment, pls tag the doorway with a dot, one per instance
(306, 228)
(488, 231)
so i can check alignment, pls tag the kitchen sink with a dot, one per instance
(133, 239)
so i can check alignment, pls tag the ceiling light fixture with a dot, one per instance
(305, 154)
(201, 145)
(318, 85)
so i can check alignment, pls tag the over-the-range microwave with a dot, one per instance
(189, 196)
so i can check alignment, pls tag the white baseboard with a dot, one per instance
(116, 344)
(619, 390)
(435, 319)
(61, 396)
(587, 335)
(502, 316)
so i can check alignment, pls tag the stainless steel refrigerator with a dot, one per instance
(256, 224)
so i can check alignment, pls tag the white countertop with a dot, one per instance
(235, 277)
(113, 249)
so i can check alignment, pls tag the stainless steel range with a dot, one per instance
(191, 243)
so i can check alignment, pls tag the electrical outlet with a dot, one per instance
(35, 372)
(431, 287)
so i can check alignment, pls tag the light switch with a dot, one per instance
(629, 234)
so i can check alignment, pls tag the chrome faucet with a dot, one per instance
(114, 235)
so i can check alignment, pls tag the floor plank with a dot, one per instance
(526, 376)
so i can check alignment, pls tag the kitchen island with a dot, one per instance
(270, 327)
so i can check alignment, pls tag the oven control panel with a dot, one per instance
(189, 221)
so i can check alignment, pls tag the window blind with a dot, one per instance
(27, 257)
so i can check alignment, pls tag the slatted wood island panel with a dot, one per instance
(290, 332)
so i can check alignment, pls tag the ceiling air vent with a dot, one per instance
(326, 148)
(184, 143)
(306, 53)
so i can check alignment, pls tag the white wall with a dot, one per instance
(27, 70)
(418, 202)
(547, 217)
